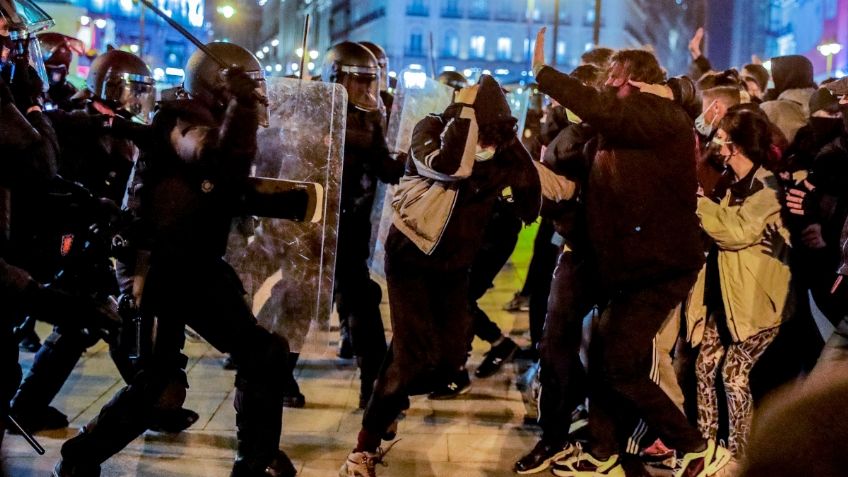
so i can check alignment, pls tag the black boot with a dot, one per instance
(173, 421)
(293, 397)
(280, 466)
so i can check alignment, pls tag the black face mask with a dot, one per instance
(825, 129)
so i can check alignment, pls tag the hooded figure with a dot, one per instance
(787, 105)
(459, 163)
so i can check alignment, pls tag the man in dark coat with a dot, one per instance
(640, 206)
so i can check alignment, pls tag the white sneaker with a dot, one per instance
(364, 464)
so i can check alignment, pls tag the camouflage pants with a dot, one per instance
(735, 360)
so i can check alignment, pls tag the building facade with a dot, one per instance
(101, 24)
(769, 28)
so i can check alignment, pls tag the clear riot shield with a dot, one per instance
(287, 265)
(416, 97)
(519, 103)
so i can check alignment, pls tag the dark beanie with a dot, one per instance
(758, 73)
(824, 100)
(491, 105)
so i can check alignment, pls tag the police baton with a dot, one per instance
(30, 440)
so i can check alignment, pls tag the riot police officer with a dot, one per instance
(193, 177)
(97, 157)
(366, 161)
(58, 51)
(383, 61)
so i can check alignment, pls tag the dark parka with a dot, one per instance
(641, 195)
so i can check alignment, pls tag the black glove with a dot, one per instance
(26, 87)
(240, 85)
(5, 94)
(63, 309)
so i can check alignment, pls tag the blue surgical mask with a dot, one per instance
(701, 125)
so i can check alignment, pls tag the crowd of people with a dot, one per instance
(691, 224)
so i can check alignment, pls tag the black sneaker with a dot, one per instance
(496, 357)
(518, 303)
(47, 419)
(542, 456)
(295, 400)
(457, 386)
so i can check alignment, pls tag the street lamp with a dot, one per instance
(227, 11)
(828, 49)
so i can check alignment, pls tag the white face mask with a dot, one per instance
(701, 122)
(484, 154)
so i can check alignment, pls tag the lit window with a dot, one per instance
(451, 44)
(504, 48)
(478, 46)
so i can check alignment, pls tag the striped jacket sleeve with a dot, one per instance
(443, 146)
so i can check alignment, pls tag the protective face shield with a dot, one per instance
(362, 85)
(134, 95)
(19, 21)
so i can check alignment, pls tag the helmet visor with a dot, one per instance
(24, 16)
(135, 95)
(363, 89)
(18, 47)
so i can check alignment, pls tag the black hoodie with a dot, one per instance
(790, 72)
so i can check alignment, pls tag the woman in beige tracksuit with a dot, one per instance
(743, 294)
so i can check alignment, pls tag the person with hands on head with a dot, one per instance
(460, 161)
(641, 191)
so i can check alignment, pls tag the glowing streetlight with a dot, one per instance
(85, 20)
(100, 23)
(265, 49)
(227, 11)
(299, 52)
(828, 49)
(275, 42)
(313, 54)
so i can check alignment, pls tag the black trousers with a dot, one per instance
(358, 299)
(498, 244)
(207, 296)
(539, 275)
(574, 292)
(10, 370)
(620, 363)
(430, 324)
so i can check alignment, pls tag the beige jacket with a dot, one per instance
(753, 260)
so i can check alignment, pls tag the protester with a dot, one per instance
(747, 282)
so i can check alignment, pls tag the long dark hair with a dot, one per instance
(750, 132)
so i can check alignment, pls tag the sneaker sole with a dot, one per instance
(616, 471)
(546, 464)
